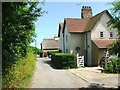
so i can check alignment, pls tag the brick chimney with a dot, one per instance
(86, 12)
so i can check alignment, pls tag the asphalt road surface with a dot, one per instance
(47, 77)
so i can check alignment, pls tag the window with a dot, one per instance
(101, 35)
(111, 34)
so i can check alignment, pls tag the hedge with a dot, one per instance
(114, 66)
(20, 74)
(63, 60)
(51, 52)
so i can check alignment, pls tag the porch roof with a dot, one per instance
(102, 43)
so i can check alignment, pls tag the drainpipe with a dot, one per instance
(63, 43)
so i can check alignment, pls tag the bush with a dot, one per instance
(62, 60)
(35, 50)
(114, 66)
(19, 75)
(51, 52)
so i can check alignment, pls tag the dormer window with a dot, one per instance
(111, 34)
(101, 34)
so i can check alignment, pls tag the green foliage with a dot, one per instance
(18, 30)
(35, 50)
(114, 66)
(62, 60)
(114, 48)
(115, 21)
(51, 52)
(19, 75)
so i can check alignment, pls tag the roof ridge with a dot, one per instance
(93, 20)
(99, 13)
(78, 18)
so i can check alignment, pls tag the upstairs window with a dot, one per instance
(111, 34)
(101, 35)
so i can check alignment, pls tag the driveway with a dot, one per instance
(94, 76)
(47, 77)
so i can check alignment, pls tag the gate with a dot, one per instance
(80, 60)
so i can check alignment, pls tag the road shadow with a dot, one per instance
(47, 62)
(51, 65)
(96, 85)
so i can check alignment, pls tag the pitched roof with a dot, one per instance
(60, 28)
(50, 44)
(94, 20)
(102, 43)
(75, 25)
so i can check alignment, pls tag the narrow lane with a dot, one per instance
(47, 77)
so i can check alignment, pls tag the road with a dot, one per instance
(47, 77)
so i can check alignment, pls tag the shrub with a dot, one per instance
(114, 66)
(19, 75)
(51, 52)
(62, 60)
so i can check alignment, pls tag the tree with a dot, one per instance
(115, 23)
(18, 29)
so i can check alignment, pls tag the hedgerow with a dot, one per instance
(63, 60)
(19, 75)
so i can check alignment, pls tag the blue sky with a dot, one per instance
(47, 25)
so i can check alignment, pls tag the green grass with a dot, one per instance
(20, 74)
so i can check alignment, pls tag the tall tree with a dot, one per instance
(18, 29)
(115, 23)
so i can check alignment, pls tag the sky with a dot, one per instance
(47, 25)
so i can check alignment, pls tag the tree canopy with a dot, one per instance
(18, 29)
(115, 21)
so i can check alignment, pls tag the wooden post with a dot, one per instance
(106, 55)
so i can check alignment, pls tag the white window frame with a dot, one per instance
(100, 34)
(111, 33)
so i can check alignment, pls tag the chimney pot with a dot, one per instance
(86, 12)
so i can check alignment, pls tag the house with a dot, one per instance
(60, 34)
(88, 36)
(49, 44)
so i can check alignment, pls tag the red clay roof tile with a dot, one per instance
(102, 43)
(76, 25)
